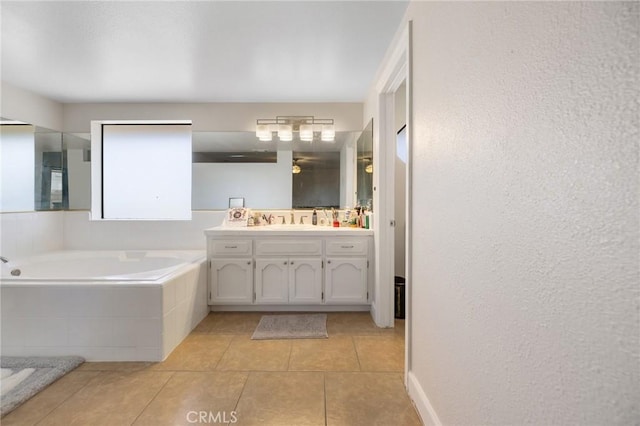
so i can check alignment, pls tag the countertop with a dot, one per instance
(287, 230)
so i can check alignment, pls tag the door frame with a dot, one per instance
(396, 71)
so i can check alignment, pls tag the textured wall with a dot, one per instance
(23, 105)
(525, 309)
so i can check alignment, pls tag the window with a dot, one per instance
(141, 170)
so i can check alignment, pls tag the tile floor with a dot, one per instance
(352, 378)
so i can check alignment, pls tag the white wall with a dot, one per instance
(525, 206)
(211, 116)
(23, 105)
(81, 233)
(28, 233)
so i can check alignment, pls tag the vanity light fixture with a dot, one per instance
(307, 127)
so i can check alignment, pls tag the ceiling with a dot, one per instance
(196, 51)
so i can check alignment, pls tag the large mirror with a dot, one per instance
(55, 171)
(364, 193)
(274, 174)
(33, 171)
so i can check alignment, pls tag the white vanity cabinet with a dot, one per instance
(347, 270)
(231, 281)
(230, 271)
(305, 281)
(290, 268)
(288, 278)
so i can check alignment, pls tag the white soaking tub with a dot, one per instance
(128, 305)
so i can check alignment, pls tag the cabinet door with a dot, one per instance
(305, 281)
(272, 280)
(346, 280)
(231, 281)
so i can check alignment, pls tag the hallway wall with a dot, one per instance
(525, 238)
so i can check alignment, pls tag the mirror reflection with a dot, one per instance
(55, 171)
(364, 166)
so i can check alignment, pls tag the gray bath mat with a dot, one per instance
(23, 377)
(298, 326)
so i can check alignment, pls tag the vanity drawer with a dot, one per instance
(289, 247)
(233, 247)
(353, 246)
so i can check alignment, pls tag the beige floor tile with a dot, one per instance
(198, 352)
(114, 366)
(229, 323)
(245, 354)
(282, 398)
(48, 399)
(110, 398)
(187, 394)
(399, 328)
(354, 323)
(368, 399)
(380, 353)
(337, 353)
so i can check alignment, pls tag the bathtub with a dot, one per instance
(128, 305)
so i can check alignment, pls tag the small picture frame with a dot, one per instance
(235, 202)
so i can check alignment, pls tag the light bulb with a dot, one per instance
(306, 132)
(263, 132)
(285, 132)
(328, 133)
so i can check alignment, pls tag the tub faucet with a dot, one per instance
(4, 259)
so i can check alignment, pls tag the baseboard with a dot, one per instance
(289, 308)
(424, 407)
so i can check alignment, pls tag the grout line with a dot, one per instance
(154, 397)
(355, 349)
(244, 385)
(324, 386)
(65, 399)
(289, 359)
(215, 367)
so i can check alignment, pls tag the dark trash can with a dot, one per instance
(399, 299)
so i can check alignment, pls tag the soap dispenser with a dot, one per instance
(314, 217)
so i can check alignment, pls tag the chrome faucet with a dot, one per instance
(4, 259)
(284, 222)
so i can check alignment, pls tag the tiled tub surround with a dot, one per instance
(105, 319)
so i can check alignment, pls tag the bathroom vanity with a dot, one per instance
(289, 267)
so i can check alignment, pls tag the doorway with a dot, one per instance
(394, 92)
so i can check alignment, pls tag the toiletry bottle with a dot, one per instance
(314, 217)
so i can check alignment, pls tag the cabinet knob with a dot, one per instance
(290, 263)
(285, 262)
(249, 262)
(328, 261)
